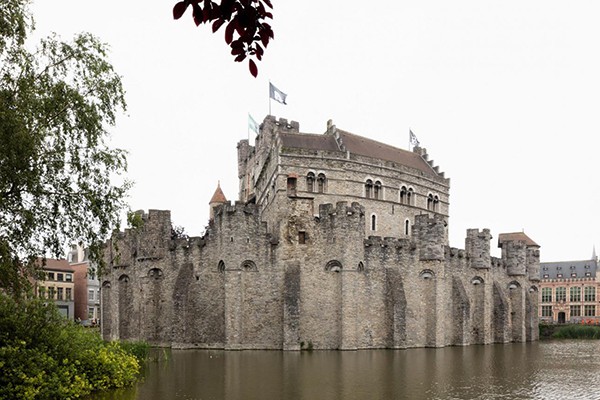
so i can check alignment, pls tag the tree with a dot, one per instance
(56, 104)
(246, 27)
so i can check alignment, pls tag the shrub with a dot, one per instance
(577, 332)
(45, 356)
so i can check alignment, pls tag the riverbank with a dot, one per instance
(569, 331)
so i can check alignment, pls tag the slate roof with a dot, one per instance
(551, 270)
(356, 145)
(53, 264)
(516, 236)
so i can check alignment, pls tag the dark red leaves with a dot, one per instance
(179, 9)
(253, 68)
(246, 27)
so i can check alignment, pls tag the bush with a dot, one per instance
(45, 356)
(577, 332)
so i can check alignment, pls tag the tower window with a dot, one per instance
(377, 190)
(373, 222)
(321, 183)
(407, 227)
(369, 189)
(310, 182)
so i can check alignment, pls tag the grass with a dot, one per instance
(577, 332)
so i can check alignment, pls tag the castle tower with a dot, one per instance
(217, 199)
(515, 253)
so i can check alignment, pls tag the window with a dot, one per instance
(69, 277)
(90, 312)
(68, 294)
(588, 274)
(302, 237)
(574, 275)
(59, 293)
(378, 190)
(545, 276)
(50, 276)
(572, 267)
(310, 182)
(575, 294)
(433, 202)
(403, 195)
(545, 268)
(59, 277)
(590, 293)
(559, 275)
(407, 227)
(589, 310)
(373, 222)
(575, 311)
(369, 189)
(546, 311)
(42, 292)
(561, 294)
(51, 292)
(546, 295)
(291, 186)
(91, 295)
(321, 183)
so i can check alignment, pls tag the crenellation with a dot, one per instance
(328, 265)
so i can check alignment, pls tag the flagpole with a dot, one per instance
(269, 97)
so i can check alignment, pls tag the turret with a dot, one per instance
(217, 199)
(431, 235)
(477, 246)
(519, 253)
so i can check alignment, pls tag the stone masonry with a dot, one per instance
(336, 242)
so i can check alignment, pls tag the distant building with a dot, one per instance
(58, 286)
(568, 291)
(87, 286)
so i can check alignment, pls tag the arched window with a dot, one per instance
(373, 222)
(407, 227)
(249, 265)
(377, 193)
(321, 183)
(410, 195)
(221, 266)
(361, 267)
(430, 202)
(310, 182)
(403, 195)
(369, 189)
(333, 266)
(155, 273)
(436, 203)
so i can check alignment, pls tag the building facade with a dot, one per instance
(568, 292)
(87, 287)
(58, 286)
(337, 242)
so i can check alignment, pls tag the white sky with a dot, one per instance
(504, 95)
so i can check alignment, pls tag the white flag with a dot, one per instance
(413, 139)
(252, 125)
(276, 94)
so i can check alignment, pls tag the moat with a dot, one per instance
(541, 370)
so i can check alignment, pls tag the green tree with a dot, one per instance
(57, 101)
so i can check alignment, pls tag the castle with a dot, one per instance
(337, 242)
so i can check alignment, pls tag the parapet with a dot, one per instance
(431, 235)
(341, 209)
(477, 246)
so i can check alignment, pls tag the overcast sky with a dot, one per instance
(504, 95)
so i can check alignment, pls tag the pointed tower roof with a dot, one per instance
(218, 197)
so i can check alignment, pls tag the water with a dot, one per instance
(543, 370)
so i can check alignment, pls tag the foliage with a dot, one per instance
(139, 349)
(56, 104)
(577, 332)
(246, 27)
(178, 232)
(45, 356)
(135, 219)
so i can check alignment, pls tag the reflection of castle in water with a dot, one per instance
(337, 242)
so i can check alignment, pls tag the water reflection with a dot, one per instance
(545, 370)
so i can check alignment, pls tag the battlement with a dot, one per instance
(341, 208)
(281, 125)
(423, 153)
(477, 246)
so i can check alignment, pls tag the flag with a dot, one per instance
(252, 125)
(413, 139)
(276, 94)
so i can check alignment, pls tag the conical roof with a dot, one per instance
(218, 197)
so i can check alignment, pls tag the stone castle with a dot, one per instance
(337, 242)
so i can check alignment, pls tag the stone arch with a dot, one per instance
(126, 311)
(333, 266)
(249, 265)
(478, 310)
(155, 273)
(106, 285)
(360, 267)
(124, 278)
(221, 266)
(513, 285)
(477, 280)
(427, 274)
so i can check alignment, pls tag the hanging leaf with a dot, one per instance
(253, 68)
(179, 9)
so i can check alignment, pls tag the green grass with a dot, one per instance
(577, 332)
